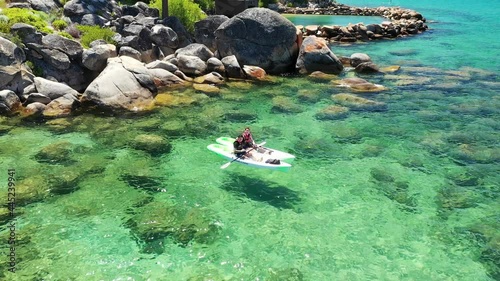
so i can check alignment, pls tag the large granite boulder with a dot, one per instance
(315, 55)
(260, 37)
(124, 84)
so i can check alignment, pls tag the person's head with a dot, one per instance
(246, 131)
(239, 138)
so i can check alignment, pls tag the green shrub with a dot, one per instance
(36, 70)
(31, 17)
(186, 11)
(59, 24)
(91, 33)
(30, 64)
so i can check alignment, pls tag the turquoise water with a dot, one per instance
(409, 193)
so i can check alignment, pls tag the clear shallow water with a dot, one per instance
(410, 193)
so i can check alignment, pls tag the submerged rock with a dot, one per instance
(358, 103)
(359, 85)
(197, 225)
(153, 144)
(332, 112)
(287, 274)
(285, 105)
(56, 153)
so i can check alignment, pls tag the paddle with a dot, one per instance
(230, 162)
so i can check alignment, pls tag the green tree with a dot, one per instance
(187, 11)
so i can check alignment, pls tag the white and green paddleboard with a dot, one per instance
(258, 161)
(273, 153)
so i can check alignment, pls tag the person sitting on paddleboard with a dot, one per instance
(248, 139)
(239, 147)
(241, 152)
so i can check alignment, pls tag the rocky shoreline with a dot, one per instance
(400, 23)
(153, 54)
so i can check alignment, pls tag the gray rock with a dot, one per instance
(191, 65)
(315, 55)
(163, 65)
(260, 37)
(118, 88)
(358, 58)
(70, 47)
(141, 5)
(52, 89)
(74, 76)
(29, 90)
(132, 29)
(61, 107)
(56, 58)
(98, 42)
(27, 33)
(44, 5)
(96, 57)
(164, 77)
(367, 67)
(75, 8)
(15, 77)
(183, 35)
(166, 51)
(146, 21)
(210, 78)
(10, 53)
(131, 10)
(204, 30)
(139, 43)
(198, 50)
(164, 36)
(34, 109)
(214, 64)
(130, 52)
(37, 97)
(233, 68)
(9, 101)
(92, 19)
(19, 5)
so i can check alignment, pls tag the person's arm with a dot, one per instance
(252, 141)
